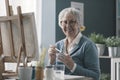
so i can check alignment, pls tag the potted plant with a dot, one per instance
(113, 44)
(99, 40)
(105, 76)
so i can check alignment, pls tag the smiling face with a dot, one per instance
(69, 25)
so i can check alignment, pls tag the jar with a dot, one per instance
(39, 73)
(49, 73)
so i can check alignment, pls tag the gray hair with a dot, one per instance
(70, 10)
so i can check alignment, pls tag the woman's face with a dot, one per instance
(69, 25)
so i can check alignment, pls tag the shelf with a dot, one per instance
(104, 57)
(107, 57)
(118, 17)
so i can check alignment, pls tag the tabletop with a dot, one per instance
(73, 77)
(66, 77)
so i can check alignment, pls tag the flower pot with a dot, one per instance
(112, 51)
(101, 48)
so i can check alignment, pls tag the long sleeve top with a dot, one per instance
(85, 56)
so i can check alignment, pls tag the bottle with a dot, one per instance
(49, 73)
(33, 72)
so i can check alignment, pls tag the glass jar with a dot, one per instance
(49, 73)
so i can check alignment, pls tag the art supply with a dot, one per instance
(25, 61)
(1, 57)
(39, 73)
(33, 72)
(58, 50)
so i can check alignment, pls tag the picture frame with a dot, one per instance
(80, 7)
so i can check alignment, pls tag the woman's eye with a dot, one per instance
(65, 22)
(72, 22)
(68, 22)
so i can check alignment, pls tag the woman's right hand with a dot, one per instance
(52, 54)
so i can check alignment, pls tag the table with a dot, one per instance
(73, 77)
(67, 77)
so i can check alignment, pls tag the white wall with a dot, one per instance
(2, 8)
(48, 23)
(23, 3)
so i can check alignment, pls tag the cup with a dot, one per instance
(25, 73)
(59, 71)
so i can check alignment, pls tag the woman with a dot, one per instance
(79, 54)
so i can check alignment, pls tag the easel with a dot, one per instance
(22, 48)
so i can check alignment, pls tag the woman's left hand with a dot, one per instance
(67, 60)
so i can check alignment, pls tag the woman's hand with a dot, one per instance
(52, 54)
(67, 60)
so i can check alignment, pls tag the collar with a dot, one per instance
(77, 38)
(74, 42)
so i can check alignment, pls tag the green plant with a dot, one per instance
(105, 76)
(112, 41)
(97, 38)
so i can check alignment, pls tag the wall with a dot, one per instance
(25, 7)
(99, 16)
(48, 24)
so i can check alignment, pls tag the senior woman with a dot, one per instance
(79, 54)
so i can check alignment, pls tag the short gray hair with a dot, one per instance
(70, 10)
